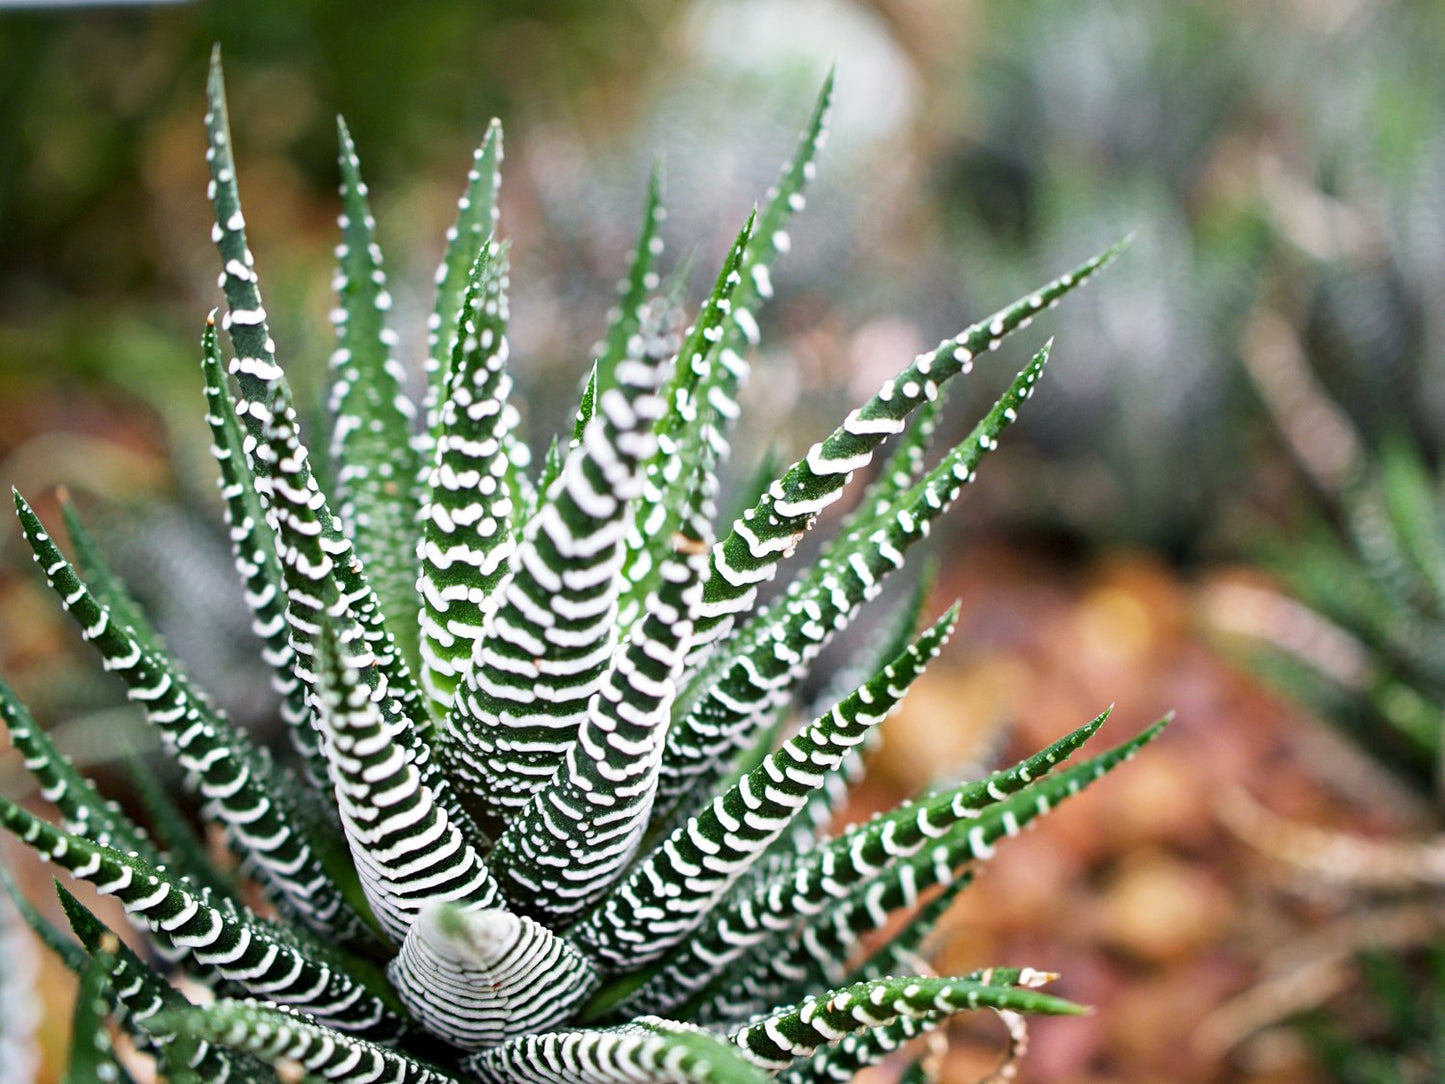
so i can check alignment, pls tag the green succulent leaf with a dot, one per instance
(319, 563)
(253, 547)
(572, 841)
(106, 585)
(646, 1051)
(783, 1036)
(702, 402)
(480, 976)
(635, 294)
(779, 971)
(92, 1053)
(755, 672)
(918, 845)
(83, 808)
(184, 850)
(375, 464)
(467, 536)
(476, 222)
(769, 531)
(407, 849)
(140, 994)
(281, 1035)
(671, 892)
(228, 939)
(545, 649)
(263, 811)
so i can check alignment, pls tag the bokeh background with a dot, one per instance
(1280, 313)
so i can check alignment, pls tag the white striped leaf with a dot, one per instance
(467, 538)
(635, 291)
(784, 1035)
(843, 1060)
(374, 462)
(83, 809)
(282, 1036)
(886, 638)
(547, 645)
(140, 994)
(561, 631)
(263, 813)
(671, 891)
(817, 954)
(476, 222)
(924, 844)
(567, 847)
(320, 565)
(646, 1051)
(703, 399)
(478, 977)
(758, 670)
(232, 941)
(253, 547)
(407, 849)
(769, 531)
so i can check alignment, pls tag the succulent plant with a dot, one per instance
(1357, 641)
(543, 817)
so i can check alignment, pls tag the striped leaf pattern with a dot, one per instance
(260, 809)
(923, 845)
(263, 959)
(467, 538)
(82, 808)
(647, 1051)
(635, 293)
(319, 562)
(545, 649)
(406, 849)
(253, 546)
(553, 796)
(141, 994)
(780, 970)
(572, 841)
(885, 641)
(769, 531)
(842, 1061)
(778, 649)
(374, 460)
(92, 1053)
(780, 1038)
(104, 583)
(647, 914)
(702, 403)
(477, 219)
(281, 1035)
(478, 977)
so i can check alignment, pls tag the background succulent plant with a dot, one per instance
(1358, 641)
(544, 816)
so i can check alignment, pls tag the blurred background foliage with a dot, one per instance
(1281, 164)
(1271, 159)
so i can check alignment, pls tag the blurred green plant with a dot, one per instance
(1360, 640)
(1377, 576)
(1279, 157)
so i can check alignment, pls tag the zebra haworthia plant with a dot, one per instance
(536, 824)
